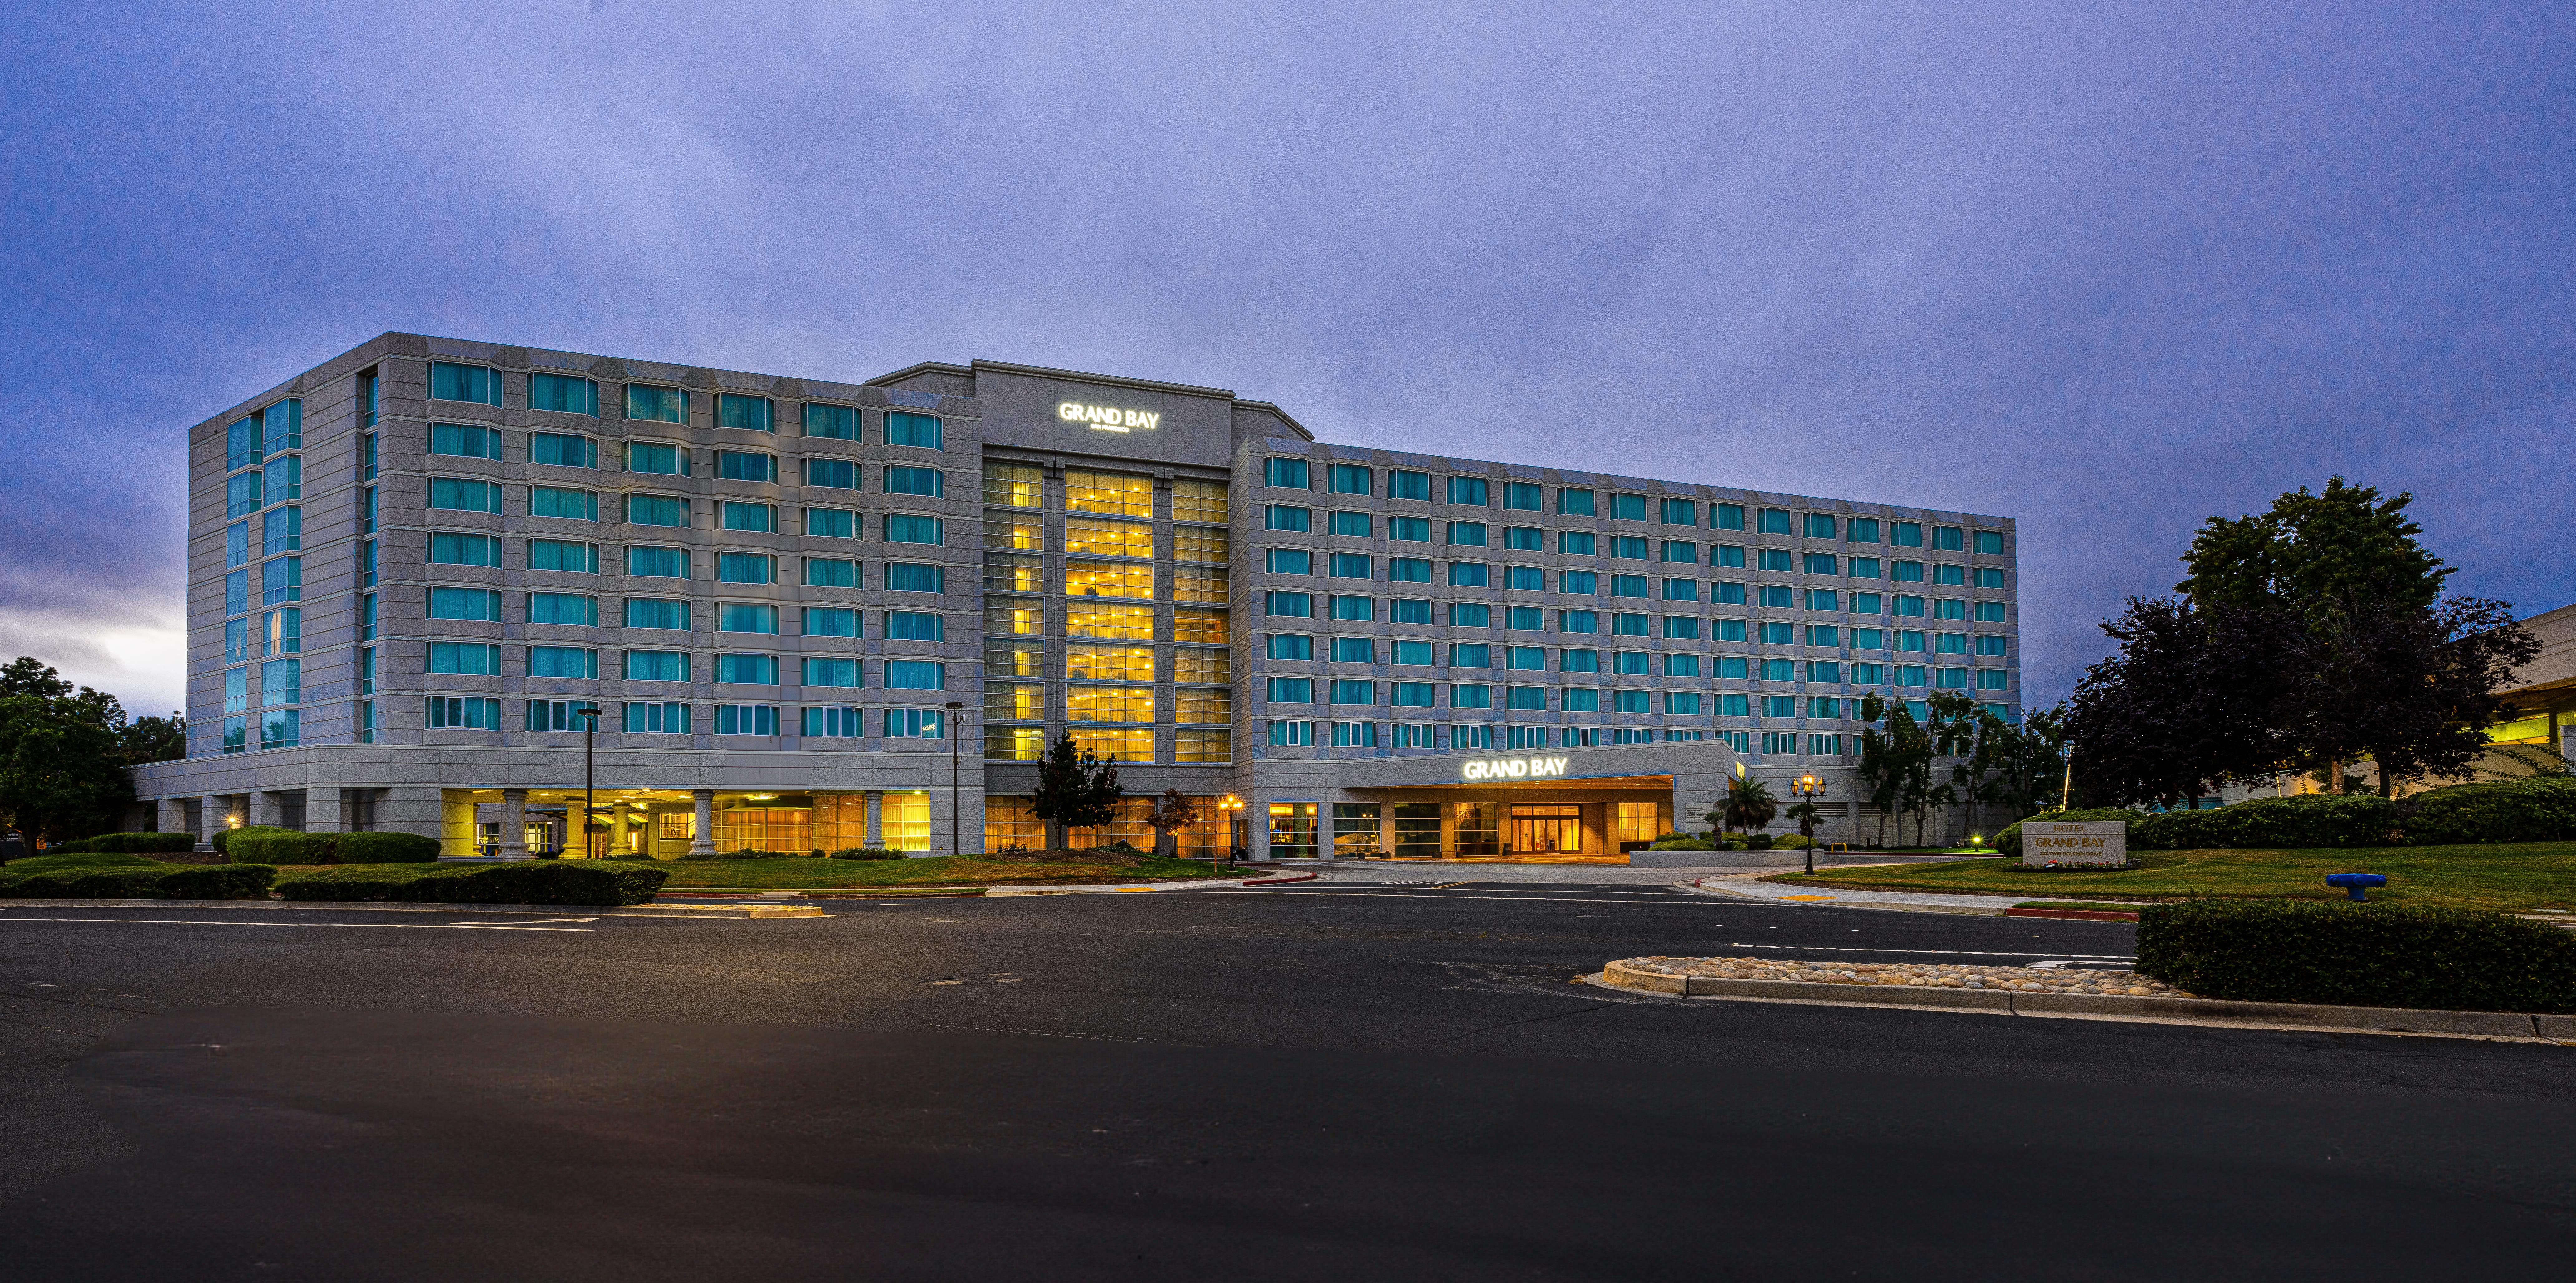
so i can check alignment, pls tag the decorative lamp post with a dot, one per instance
(589, 719)
(1807, 788)
(956, 835)
(1225, 808)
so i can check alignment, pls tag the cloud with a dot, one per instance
(2108, 270)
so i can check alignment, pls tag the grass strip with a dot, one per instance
(2517, 877)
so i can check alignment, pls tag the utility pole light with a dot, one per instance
(956, 836)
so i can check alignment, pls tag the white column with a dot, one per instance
(876, 818)
(263, 809)
(703, 842)
(170, 814)
(514, 824)
(617, 828)
(210, 820)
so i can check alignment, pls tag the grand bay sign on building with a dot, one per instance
(1105, 417)
(1514, 768)
(2075, 842)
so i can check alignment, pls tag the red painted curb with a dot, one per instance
(2088, 915)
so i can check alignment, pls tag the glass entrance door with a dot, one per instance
(1547, 830)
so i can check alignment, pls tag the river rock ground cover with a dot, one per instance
(1919, 974)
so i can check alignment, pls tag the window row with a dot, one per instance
(574, 394)
(1587, 699)
(1365, 650)
(1481, 736)
(1116, 494)
(1288, 473)
(455, 494)
(661, 717)
(254, 436)
(1477, 614)
(1579, 543)
(681, 614)
(561, 450)
(654, 562)
(1008, 535)
(483, 659)
(1479, 574)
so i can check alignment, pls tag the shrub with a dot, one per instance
(2358, 955)
(224, 837)
(583, 882)
(133, 843)
(1794, 842)
(172, 882)
(386, 848)
(283, 846)
(2528, 810)
(2008, 842)
(866, 853)
(2277, 823)
(1731, 844)
(1680, 843)
(1760, 841)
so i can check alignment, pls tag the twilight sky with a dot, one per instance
(2106, 268)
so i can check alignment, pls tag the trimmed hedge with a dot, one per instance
(2529, 810)
(224, 837)
(286, 846)
(2272, 823)
(175, 882)
(2358, 955)
(588, 882)
(133, 843)
(1683, 844)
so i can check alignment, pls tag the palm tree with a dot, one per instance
(1748, 805)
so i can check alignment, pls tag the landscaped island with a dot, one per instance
(2519, 877)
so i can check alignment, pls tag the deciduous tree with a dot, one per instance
(1077, 789)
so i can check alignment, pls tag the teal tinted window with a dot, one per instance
(651, 456)
(563, 554)
(749, 413)
(657, 612)
(749, 516)
(660, 405)
(904, 428)
(1575, 502)
(838, 422)
(909, 528)
(657, 666)
(659, 563)
(656, 510)
(1408, 485)
(746, 568)
(449, 382)
(563, 608)
(921, 481)
(557, 501)
(740, 465)
(559, 450)
(831, 572)
(746, 617)
(905, 576)
(563, 393)
(839, 523)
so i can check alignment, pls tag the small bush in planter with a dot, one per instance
(224, 837)
(133, 843)
(1759, 842)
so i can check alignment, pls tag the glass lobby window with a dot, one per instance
(1109, 703)
(1199, 501)
(1202, 664)
(835, 422)
(1114, 493)
(1206, 627)
(1014, 572)
(1192, 543)
(1088, 619)
(1107, 579)
(1199, 583)
(1102, 537)
(1016, 533)
(1014, 619)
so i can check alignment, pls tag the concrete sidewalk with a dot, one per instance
(1427, 871)
(1746, 885)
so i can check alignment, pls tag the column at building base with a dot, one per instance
(322, 811)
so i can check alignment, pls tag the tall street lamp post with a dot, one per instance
(589, 718)
(1225, 809)
(956, 835)
(1807, 788)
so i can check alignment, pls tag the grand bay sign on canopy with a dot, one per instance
(2075, 842)
(1514, 768)
(1107, 418)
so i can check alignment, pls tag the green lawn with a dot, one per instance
(78, 860)
(2515, 877)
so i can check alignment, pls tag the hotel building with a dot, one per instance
(812, 615)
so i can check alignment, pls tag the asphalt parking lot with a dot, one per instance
(1378, 1081)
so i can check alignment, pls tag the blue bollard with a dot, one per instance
(2353, 883)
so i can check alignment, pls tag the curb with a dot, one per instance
(378, 906)
(2275, 1015)
(2079, 915)
(1729, 893)
(1272, 880)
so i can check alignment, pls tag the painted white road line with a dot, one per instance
(373, 926)
(1674, 901)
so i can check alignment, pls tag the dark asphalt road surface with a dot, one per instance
(1319, 1081)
